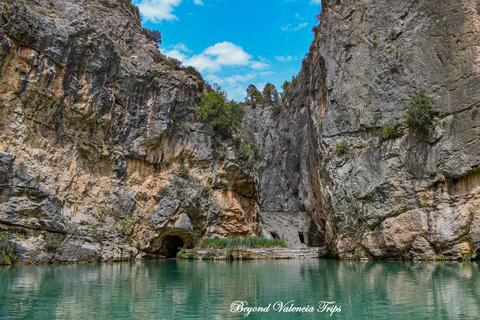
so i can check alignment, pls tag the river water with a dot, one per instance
(170, 289)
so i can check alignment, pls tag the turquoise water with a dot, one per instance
(172, 289)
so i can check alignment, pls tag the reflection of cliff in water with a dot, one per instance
(166, 289)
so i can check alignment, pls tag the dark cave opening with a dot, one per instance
(173, 244)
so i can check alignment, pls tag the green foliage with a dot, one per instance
(276, 110)
(153, 35)
(342, 147)
(7, 249)
(229, 255)
(183, 171)
(247, 256)
(208, 256)
(285, 85)
(52, 242)
(123, 227)
(245, 151)
(270, 94)
(182, 254)
(467, 256)
(420, 112)
(440, 257)
(223, 115)
(238, 242)
(253, 95)
(391, 130)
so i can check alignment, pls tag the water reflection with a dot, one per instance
(205, 290)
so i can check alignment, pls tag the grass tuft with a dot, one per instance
(238, 242)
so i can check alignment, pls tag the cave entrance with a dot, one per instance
(173, 244)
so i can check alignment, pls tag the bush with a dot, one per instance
(208, 256)
(123, 227)
(153, 35)
(245, 151)
(183, 171)
(342, 147)
(247, 256)
(224, 116)
(238, 242)
(7, 249)
(391, 130)
(420, 113)
(52, 242)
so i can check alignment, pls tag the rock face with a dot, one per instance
(102, 157)
(373, 195)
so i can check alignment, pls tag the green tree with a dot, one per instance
(225, 116)
(270, 94)
(420, 112)
(253, 95)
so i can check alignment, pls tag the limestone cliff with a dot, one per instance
(414, 194)
(101, 154)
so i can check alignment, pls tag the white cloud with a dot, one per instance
(159, 10)
(181, 47)
(228, 53)
(289, 27)
(213, 58)
(319, 2)
(285, 58)
(257, 65)
(225, 54)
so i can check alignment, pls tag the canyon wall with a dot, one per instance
(413, 194)
(102, 156)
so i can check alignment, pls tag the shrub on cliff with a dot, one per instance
(225, 116)
(420, 112)
(7, 249)
(153, 35)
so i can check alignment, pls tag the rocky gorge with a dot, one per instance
(103, 156)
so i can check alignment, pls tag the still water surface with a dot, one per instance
(171, 289)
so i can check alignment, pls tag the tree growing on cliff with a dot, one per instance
(225, 116)
(420, 112)
(270, 94)
(253, 95)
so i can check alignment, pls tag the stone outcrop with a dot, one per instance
(376, 196)
(102, 156)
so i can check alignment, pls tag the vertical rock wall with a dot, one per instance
(375, 196)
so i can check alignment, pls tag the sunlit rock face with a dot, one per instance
(101, 154)
(376, 196)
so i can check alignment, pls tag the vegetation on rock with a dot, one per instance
(420, 112)
(225, 116)
(239, 242)
(7, 249)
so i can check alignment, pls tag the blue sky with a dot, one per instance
(235, 43)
